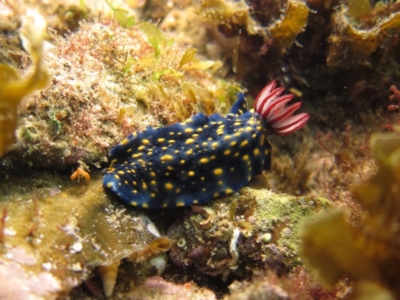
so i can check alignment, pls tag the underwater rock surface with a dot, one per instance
(64, 236)
(59, 236)
(256, 228)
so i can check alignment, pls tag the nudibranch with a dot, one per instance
(203, 157)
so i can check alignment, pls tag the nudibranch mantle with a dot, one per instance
(202, 158)
(190, 162)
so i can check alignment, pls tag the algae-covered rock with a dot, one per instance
(157, 288)
(60, 236)
(368, 252)
(108, 80)
(256, 227)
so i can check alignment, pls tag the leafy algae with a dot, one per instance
(13, 88)
(368, 252)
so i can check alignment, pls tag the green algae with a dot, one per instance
(283, 216)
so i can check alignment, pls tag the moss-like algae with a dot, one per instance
(283, 215)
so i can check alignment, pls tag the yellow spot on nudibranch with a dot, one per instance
(160, 140)
(204, 160)
(188, 130)
(145, 205)
(228, 191)
(145, 142)
(233, 143)
(189, 141)
(191, 173)
(227, 152)
(245, 157)
(109, 184)
(180, 204)
(171, 141)
(256, 151)
(178, 191)
(137, 155)
(218, 171)
(133, 203)
(140, 148)
(152, 174)
(124, 142)
(169, 186)
(244, 143)
(166, 157)
(144, 185)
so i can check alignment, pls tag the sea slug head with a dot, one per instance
(271, 106)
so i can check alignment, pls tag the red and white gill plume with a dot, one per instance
(271, 106)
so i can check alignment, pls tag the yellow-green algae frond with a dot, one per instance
(369, 252)
(13, 87)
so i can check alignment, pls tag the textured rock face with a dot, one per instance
(256, 227)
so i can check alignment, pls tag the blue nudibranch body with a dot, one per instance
(202, 158)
